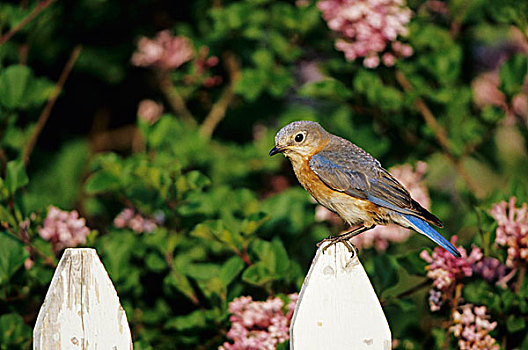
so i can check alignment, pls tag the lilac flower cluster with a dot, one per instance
(129, 218)
(64, 228)
(471, 326)
(445, 270)
(512, 230)
(492, 270)
(367, 27)
(165, 51)
(203, 63)
(259, 325)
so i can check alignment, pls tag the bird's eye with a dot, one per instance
(299, 137)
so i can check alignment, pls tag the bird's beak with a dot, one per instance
(276, 150)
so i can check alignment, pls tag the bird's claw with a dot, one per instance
(334, 240)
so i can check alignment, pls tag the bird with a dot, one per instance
(350, 182)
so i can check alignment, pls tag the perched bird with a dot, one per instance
(350, 182)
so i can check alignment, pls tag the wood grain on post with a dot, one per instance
(338, 308)
(81, 309)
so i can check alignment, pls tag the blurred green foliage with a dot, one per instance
(230, 220)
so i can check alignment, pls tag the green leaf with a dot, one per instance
(14, 333)
(328, 89)
(187, 322)
(196, 180)
(413, 264)
(273, 262)
(257, 274)
(515, 323)
(58, 179)
(513, 73)
(5, 216)
(14, 81)
(280, 256)
(39, 91)
(177, 280)
(263, 59)
(15, 175)
(230, 270)
(12, 256)
(385, 272)
(405, 305)
(155, 263)
(251, 83)
(102, 181)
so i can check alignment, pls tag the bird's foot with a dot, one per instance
(339, 239)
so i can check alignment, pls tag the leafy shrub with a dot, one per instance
(182, 202)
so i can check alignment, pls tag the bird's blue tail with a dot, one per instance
(424, 228)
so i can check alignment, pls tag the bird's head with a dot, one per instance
(302, 138)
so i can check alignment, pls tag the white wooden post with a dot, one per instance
(338, 308)
(81, 309)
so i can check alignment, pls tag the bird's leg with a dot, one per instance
(344, 238)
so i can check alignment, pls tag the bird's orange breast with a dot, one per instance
(310, 181)
(352, 210)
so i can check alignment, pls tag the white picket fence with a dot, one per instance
(337, 307)
(81, 309)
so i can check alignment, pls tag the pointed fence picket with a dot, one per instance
(338, 308)
(81, 309)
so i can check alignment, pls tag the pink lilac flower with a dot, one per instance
(471, 326)
(28, 263)
(445, 269)
(200, 73)
(164, 52)
(437, 6)
(436, 299)
(368, 27)
(512, 230)
(259, 325)
(492, 270)
(128, 218)
(411, 179)
(149, 111)
(64, 229)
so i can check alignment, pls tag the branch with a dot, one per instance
(24, 238)
(440, 134)
(219, 109)
(520, 279)
(413, 289)
(44, 116)
(41, 6)
(174, 98)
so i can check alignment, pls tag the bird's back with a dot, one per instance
(345, 167)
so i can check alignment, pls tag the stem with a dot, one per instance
(174, 98)
(520, 279)
(219, 109)
(459, 17)
(413, 289)
(440, 135)
(44, 116)
(41, 6)
(454, 306)
(24, 238)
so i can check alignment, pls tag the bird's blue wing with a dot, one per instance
(361, 176)
(347, 168)
(338, 176)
